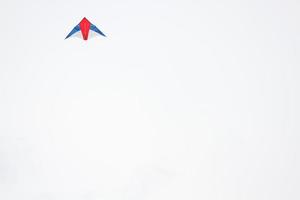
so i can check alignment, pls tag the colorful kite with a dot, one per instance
(84, 27)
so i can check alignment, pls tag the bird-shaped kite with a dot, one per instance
(85, 26)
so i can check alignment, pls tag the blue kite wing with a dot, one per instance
(75, 30)
(94, 28)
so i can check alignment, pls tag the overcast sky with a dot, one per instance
(182, 100)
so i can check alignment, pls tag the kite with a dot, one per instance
(84, 27)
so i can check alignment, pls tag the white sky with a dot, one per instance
(183, 100)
